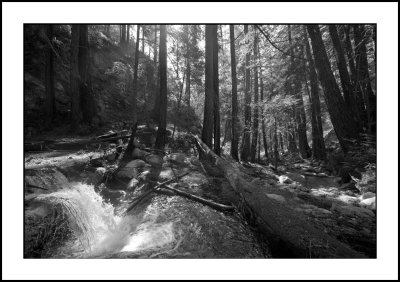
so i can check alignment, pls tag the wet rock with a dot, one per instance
(369, 203)
(276, 197)
(347, 199)
(367, 196)
(194, 161)
(136, 164)
(284, 179)
(132, 184)
(154, 160)
(137, 153)
(281, 168)
(176, 158)
(111, 157)
(352, 211)
(128, 172)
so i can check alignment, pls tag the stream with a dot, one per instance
(81, 221)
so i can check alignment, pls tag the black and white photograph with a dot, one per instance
(202, 140)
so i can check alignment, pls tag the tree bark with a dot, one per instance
(364, 79)
(188, 54)
(235, 137)
(345, 127)
(87, 99)
(300, 114)
(162, 122)
(344, 74)
(49, 77)
(318, 144)
(254, 137)
(208, 120)
(135, 78)
(247, 108)
(217, 123)
(76, 115)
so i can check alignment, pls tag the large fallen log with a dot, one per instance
(289, 234)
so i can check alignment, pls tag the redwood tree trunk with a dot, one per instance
(343, 123)
(76, 115)
(208, 121)
(49, 77)
(254, 137)
(343, 73)
(364, 79)
(217, 123)
(300, 114)
(87, 99)
(247, 109)
(235, 138)
(162, 122)
(318, 144)
(135, 78)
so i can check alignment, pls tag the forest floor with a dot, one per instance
(341, 211)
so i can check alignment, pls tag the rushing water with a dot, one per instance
(164, 227)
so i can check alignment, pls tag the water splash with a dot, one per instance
(98, 231)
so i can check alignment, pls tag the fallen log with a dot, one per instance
(212, 204)
(136, 201)
(289, 234)
(78, 144)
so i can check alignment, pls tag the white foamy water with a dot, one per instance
(93, 221)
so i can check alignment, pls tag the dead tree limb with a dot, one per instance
(136, 201)
(287, 231)
(212, 204)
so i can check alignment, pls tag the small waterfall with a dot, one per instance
(93, 222)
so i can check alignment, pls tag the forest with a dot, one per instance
(200, 141)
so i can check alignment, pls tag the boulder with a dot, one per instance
(154, 160)
(132, 184)
(367, 195)
(177, 158)
(352, 211)
(128, 172)
(138, 154)
(284, 179)
(369, 203)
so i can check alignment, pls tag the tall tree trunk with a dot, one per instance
(123, 36)
(208, 120)
(235, 122)
(343, 123)
(76, 114)
(264, 135)
(108, 30)
(300, 114)
(217, 123)
(254, 137)
(356, 89)
(188, 54)
(247, 108)
(155, 43)
(135, 77)
(343, 73)
(364, 80)
(49, 77)
(276, 153)
(318, 144)
(87, 99)
(162, 122)
(128, 27)
(157, 79)
(143, 39)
